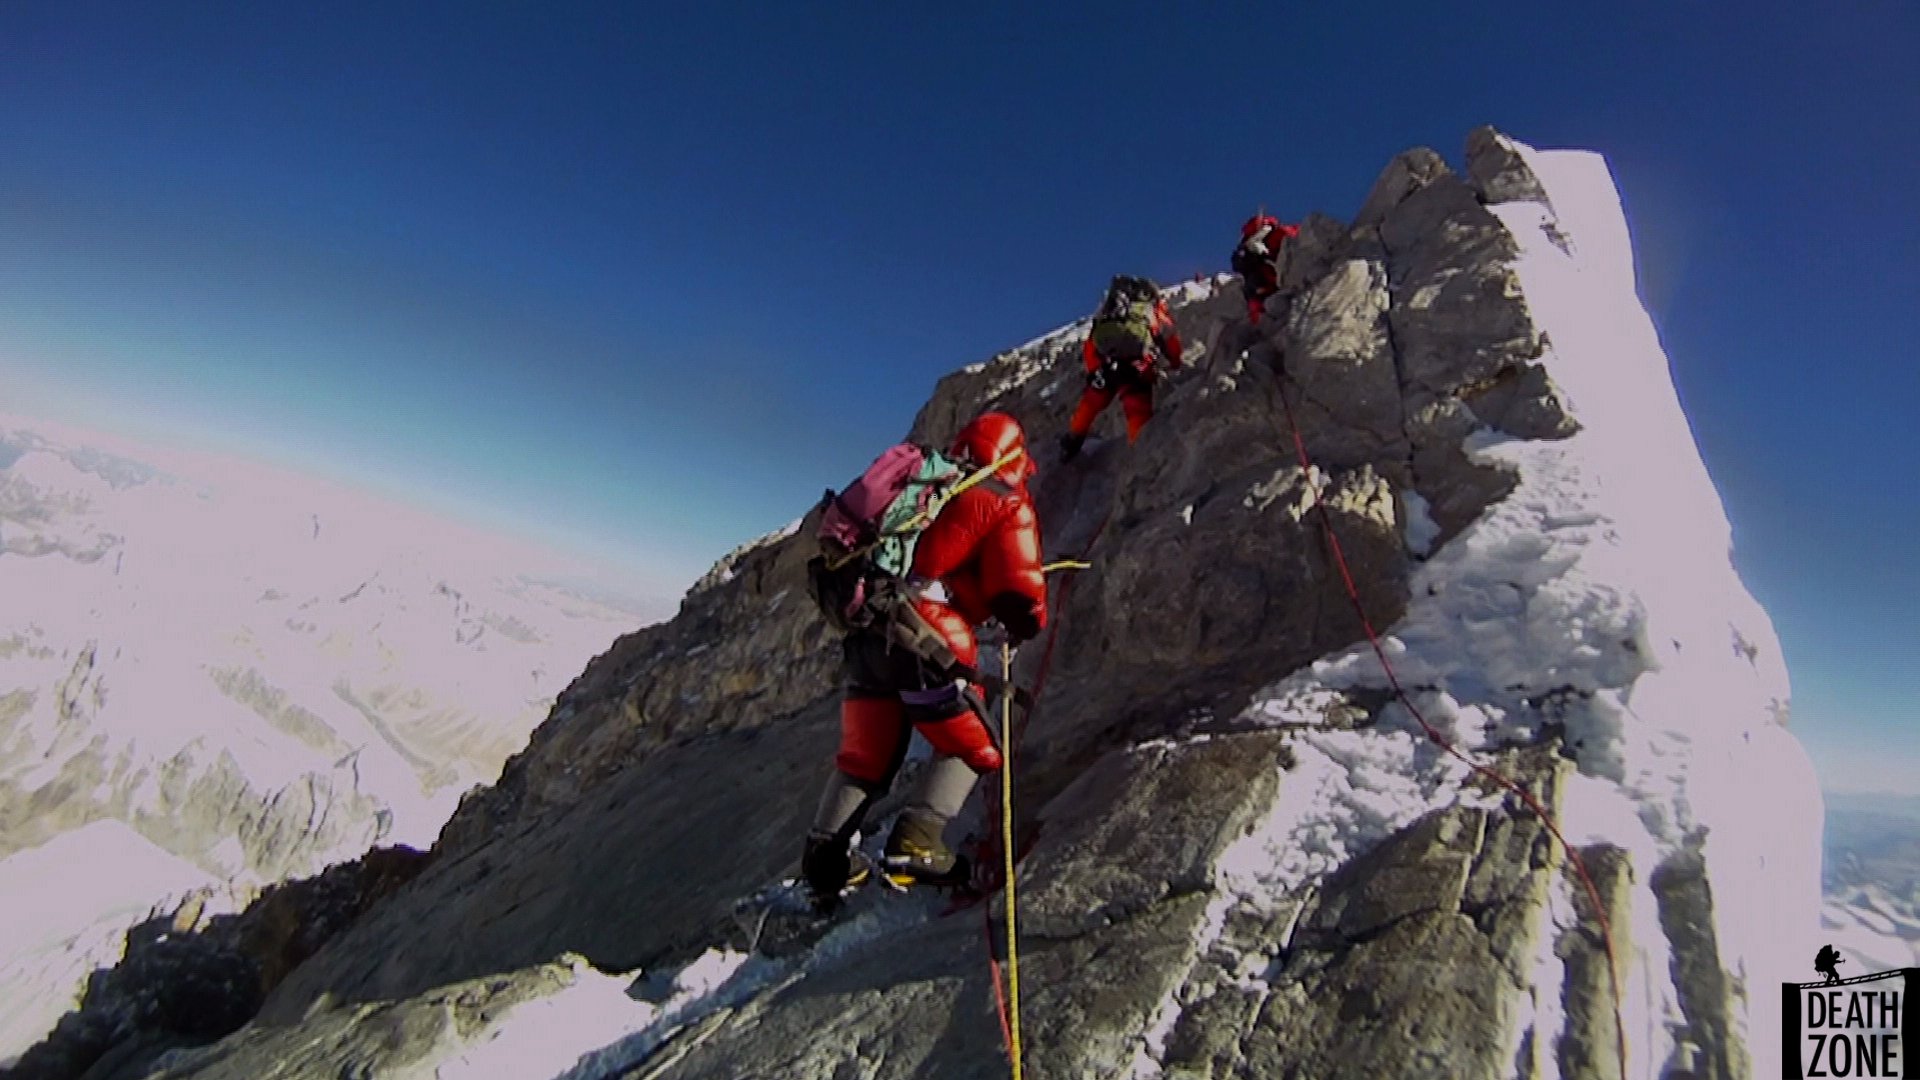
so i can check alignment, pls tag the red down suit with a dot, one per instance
(1257, 259)
(984, 552)
(1133, 383)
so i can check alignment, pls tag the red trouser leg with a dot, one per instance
(871, 732)
(1138, 402)
(963, 736)
(1258, 294)
(1092, 402)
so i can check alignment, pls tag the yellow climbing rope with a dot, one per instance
(933, 509)
(953, 492)
(1066, 564)
(1006, 848)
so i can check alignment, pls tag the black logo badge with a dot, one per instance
(1858, 1027)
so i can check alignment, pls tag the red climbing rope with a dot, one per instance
(989, 855)
(999, 992)
(1433, 734)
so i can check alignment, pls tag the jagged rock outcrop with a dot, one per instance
(376, 1039)
(1244, 855)
(187, 979)
(746, 647)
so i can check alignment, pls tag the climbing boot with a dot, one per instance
(831, 869)
(916, 854)
(1070, 446)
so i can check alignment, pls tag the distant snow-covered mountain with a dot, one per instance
(1872, 880)
(253, 672)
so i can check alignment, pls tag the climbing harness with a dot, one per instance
(1433, 734)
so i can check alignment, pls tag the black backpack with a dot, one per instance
(1123, 327)
(1249, 265)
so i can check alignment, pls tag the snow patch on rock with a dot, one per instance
(1597, 599)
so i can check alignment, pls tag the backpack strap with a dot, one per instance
(833, 499)
(924, 517)
(978, 476)
(911, 631)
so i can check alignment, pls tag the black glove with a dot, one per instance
(992, 685)
(1018, 614)
(1097, 378)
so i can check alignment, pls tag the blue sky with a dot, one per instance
(643, 284)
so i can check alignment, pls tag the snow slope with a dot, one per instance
(256, 672)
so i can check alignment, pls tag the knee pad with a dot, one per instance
(872, 736)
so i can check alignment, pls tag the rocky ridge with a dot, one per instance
(1245, 858)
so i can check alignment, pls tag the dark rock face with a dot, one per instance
(1107, 938)
(1587, 1047)
(170, 990)
(746, 649)
(1404, 175)
(1412, 961)
(371, 1040)
(636, 874)
(678, 772)
(1498, 171)
(747, 672)
(1713, 1051)
(1140, 828)
(181, 984)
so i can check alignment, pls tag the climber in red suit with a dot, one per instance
(1121, 354)
(978, 560)
(1257, 260)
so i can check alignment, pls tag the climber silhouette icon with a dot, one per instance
(1827, 962)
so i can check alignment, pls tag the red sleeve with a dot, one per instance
(951, 541)
(991, 537)
(965, 597)
(1166, 335)
(1089, 355)
(1010, 560)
